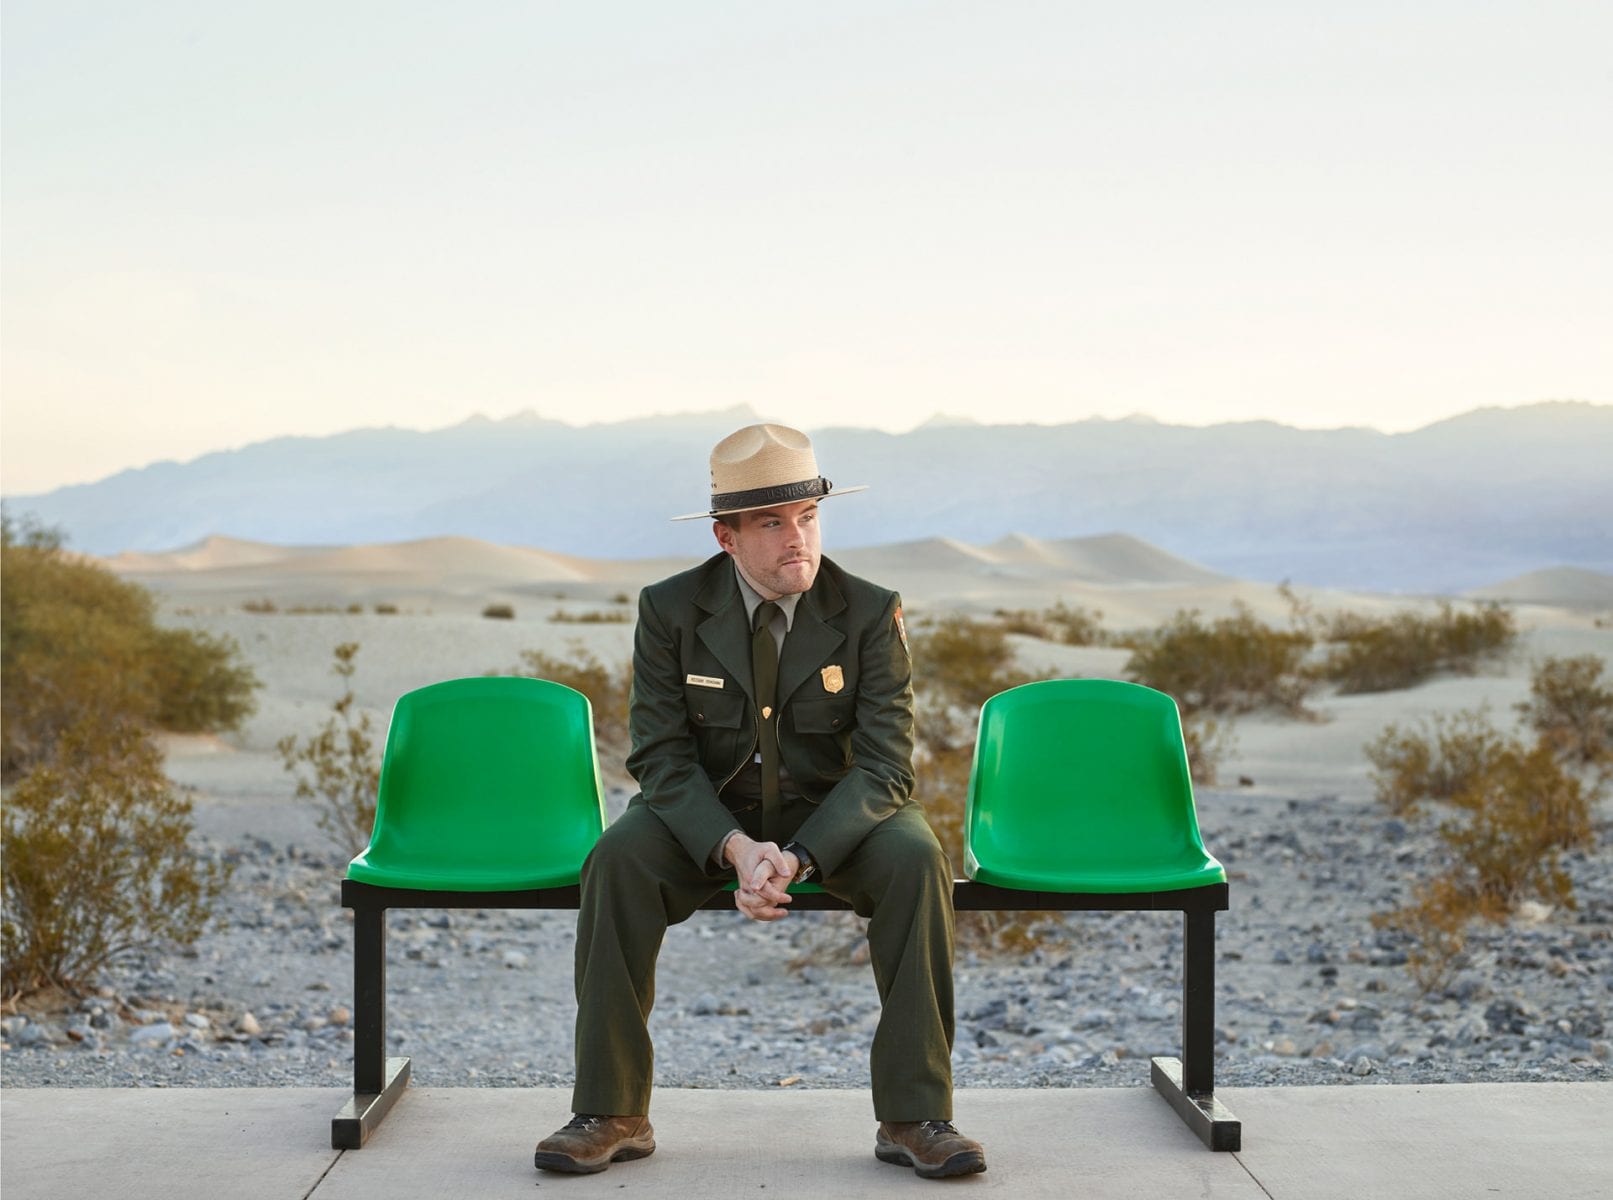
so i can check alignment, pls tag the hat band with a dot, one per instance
(784, 493)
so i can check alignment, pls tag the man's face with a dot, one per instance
(776, 548)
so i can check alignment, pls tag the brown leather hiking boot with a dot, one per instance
(588, 1144)
(934, 1149)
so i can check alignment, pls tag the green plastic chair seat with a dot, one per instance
(487, 784)
(795, 889)
(1082, 785)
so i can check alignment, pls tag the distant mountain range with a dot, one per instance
(1456, 505)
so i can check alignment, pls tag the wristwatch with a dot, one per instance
(808, 868)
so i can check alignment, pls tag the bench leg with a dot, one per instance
(1188, 1083)
(378, 1081)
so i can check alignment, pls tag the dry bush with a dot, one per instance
(1073, 626)
(609, 691)
(591, 617)
(1523, 810)
(1441, 761)
(259, 606)
(1572, 712)
(959, 664)
(499, 612)
(78, 645)
(1435, 924)
(1518, 807)
(200, 681)
(1235, 664)
(97, 863)
(1208, 741)
(338, 766)
(1405, 648)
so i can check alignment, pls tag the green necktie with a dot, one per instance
(764, 669)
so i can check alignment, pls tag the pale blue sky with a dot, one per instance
(226, 222)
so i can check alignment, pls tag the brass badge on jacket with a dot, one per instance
(833, 679)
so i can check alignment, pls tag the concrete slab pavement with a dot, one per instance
(1457, 1140)
(157, 1144)
(1547, 1140)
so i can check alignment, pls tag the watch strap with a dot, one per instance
(807, 868)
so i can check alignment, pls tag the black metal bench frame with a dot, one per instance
(1188, 1083)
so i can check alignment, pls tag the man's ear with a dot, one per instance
(725, 536)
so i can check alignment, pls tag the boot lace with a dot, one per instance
(937, 1129)
(584, 1122)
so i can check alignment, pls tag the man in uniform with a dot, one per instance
(772, 739)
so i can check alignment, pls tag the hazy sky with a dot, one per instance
(225, 222)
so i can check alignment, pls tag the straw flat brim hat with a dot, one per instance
(761, 466)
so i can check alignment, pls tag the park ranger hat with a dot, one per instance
(761, 466)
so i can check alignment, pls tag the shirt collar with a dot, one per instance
(753, 600)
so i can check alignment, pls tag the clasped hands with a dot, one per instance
(764, 871)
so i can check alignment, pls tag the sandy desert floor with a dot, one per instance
(1308, 990)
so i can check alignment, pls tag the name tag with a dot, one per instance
(710, 681)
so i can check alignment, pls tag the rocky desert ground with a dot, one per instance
(1307, 990)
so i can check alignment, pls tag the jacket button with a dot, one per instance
(834, 722)
(700, 716)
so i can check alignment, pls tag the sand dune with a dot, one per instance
(1122, 559)
(417, 572)
(928, 554)
(457, 558)
(211, 553)
(1562, 587)
(1130, 581)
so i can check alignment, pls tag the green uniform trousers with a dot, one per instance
(639, 879)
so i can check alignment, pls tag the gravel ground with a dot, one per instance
(1307, 991)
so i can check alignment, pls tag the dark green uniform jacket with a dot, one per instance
(845, 701)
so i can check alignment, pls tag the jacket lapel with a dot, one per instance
(725, 631)
(811, 639)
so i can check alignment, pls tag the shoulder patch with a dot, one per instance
(901, 628)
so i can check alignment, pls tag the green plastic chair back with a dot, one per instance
(487, 784)
(1081, 785)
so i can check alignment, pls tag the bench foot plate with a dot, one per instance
(360, 1116)
(1205, 1115)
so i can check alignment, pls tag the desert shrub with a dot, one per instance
(499, 612)
(1207, 741)
(1061, 623)
(259, 606)
(337, 766)
(97, 862)
(608, 689)
(1077, 626)
(1405, 648)
(1517, 807)
(1572, 712)
(201, 683)
(591, 617)
(1435, 924)
(1524, 810)
(1235, 664)
(385, 609)
(79, 645)
(958, 664)
(621, 598)
(1442, 760)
